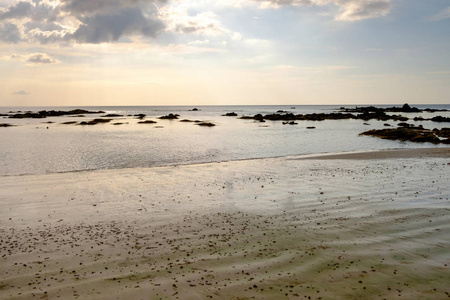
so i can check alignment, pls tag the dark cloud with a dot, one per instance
(18, 11)
(95, 21)
(20, 93)
(9, 33)
(101, 28)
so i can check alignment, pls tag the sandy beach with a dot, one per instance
(372, 225)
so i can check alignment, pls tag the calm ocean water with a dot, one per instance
(32, 148)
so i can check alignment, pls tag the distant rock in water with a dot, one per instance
(147, 122)
(310, 127)
(169, 117)
(69, 122)
(111, 116)
(194, 109)
(440, 119)
(52, 113)
(6, 125)
(230, 114)
(406, 108)
(287, 116)
(206, 124)
(140, 116)
(95, 121)
(186, 121)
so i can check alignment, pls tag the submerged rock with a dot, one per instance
(6, 125)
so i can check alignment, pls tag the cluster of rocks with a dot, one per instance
(404, 109)
(416, 134)
(51, 113)
(287, 116)
(434, 119)
(169, 117)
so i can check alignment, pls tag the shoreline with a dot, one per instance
(390, 153)
(266, 228)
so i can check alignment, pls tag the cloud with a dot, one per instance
(41, 59)
(35, 58)
(20, 10)
(348, 10)
(442, 15)
(10, 33)
(179, 20)
(101, 28)
(20, 93)
(81, 21)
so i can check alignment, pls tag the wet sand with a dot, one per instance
(280, 228)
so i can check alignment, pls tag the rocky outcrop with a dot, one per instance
(230, 114)
(411, 134)
(169, 117)
(52, 113)
(206, 124)
(95, 122)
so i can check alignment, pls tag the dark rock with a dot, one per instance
(140, 116)
(95, 121)
(443, 132)
(186, 120)
(52, 113)
(111, 116)
(69, 122)
(147, 122)
(206, 124)
(310, 127)
(231, 114)
(387, 124)
(405, 134)
(440, 119)
(169, 117)
(6, 125)
(194, 109)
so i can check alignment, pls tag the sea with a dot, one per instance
(40, 146)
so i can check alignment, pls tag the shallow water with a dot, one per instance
(32, 148)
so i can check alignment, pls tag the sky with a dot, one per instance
(224, 52)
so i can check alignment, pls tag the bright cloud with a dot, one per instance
(348, 10)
